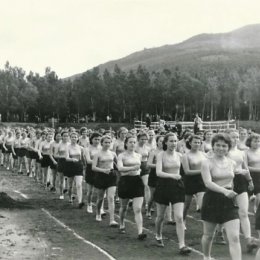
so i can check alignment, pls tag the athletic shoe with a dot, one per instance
(159, 242)
(171, 222)
(7, 168)
(53, 189)
(98, 218)
(48, 184)
(28, 173)
(64, 191)
(113, 224)
(103, 213)
(184, 250)
(61, 197)
(89, 209)
(251, 245)
(142, 236)
(122, 230)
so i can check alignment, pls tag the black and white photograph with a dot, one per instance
(129, 130)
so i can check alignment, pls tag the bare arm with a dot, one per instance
(150, 160)
(186, 166)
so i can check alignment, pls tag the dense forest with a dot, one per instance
(215, 93)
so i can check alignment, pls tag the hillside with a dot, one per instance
(239, 46)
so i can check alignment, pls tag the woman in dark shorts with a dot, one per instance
(152, 179)
(7, 145)
(90, 151)
(242, 184)
(74, 158)
(54, 160)
(170, 189)
(191, 162)
(44, 156)
(143, 149)
(130, 185)
(253, 162)
(22, 159)
(218, 205)
(15, 150)
(61, 168)
(257, 227)
(105, 179)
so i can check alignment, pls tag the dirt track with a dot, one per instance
(40, 226)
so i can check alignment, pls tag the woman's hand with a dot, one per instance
(230, 194)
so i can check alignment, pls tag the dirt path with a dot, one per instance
(40, 226)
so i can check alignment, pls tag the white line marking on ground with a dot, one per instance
(78, 236)
(20, 193)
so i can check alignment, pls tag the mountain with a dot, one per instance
(241, 46)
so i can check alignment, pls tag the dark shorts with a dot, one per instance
(103, 181)
(54, 166)
(257, 219)
(256, 180)
(152, 179)
(22, 152)
(90, 175)
(61, 165)
(240, 184)
(32, 155)
(193, 184)
(169, 191)
(9, 149)
(217, 208)
(73, 169)
(144, 169)
(46, 161)
(130, 187)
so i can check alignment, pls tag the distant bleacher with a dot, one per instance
(206, 125)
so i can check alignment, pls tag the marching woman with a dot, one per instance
(7, 145)
(253, 162)
(218, 205)
(93, 149)
(54, 158)
(191, 162)
(170, 189)
(1, 147)
(44, 156)
(144, 150)
(61, 168)
(130, 185)
(74, 159)
(31, 155)
(40, 137)
(151, 140)
(83, 140)
(242, 183)
(206, 144)
(24, 142)
(152, 175)
(242, 139)
(120, 141)
(105, 179)
(15, 150)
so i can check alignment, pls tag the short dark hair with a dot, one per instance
(221, 137)
(193, 136)
(126, 140)
(94, 135)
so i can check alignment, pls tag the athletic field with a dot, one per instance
(40, 226)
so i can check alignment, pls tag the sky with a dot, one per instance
(72, 36)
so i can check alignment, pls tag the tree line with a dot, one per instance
(216, 93)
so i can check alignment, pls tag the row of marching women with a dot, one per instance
(219, 171)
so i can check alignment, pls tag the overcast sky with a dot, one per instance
(72, 36)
